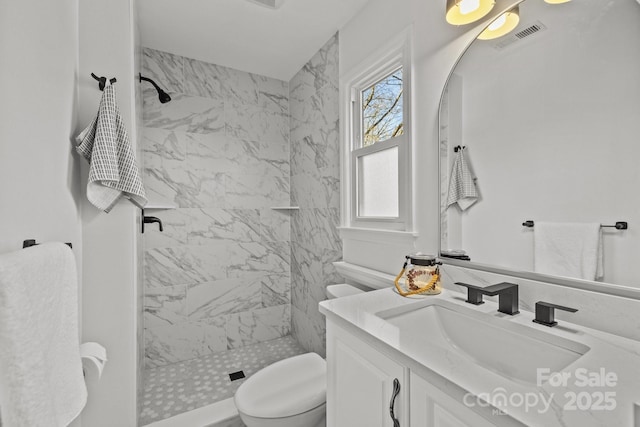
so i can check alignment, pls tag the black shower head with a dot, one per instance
(162, 95)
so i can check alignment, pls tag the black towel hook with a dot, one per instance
(102, 81)
(459, 147)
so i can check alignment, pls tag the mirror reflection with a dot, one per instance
(550, 118)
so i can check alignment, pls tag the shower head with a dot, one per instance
(162, 95)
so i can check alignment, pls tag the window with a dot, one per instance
(377, 163)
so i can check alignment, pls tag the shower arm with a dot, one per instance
(147, 79)
(162, 95)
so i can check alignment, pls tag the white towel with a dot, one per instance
(568, 249)
(462, 185)
(105, 144)
(41, 381)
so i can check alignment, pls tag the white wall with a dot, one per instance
(110, 300)
(39, 175)
(436, 47)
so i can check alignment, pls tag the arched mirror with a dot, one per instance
(550, 118)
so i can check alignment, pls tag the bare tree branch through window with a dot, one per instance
(382, 115)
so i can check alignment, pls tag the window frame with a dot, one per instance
(397, 54)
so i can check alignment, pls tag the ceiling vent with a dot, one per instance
(271, 4)
(533, 29)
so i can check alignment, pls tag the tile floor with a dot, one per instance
(180, 387)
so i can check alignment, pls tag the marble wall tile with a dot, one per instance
(174, 223)
(165, 306)
(315, 152)
(161, 144)
(252, 89)
(174, 343)
(219, 153)
(173, 182)
(309, 191)
(315, 268)
(203, 79)
(219, 276)
(238, 225)
(185, 265)
(276, 289)
(215, 299)
(315, 136)
(276, 155)
(253, 123)
(309, 334)
(164, 68)
(184, 113)
(275, 225)
(254, 190)
(317, 228)
(321, 69)
(315, 174)
(323, 105)
(258, 257)
(258, 325)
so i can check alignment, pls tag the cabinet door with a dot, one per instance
(360, 383)
(431, 407)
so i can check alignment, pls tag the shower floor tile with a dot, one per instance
(180, 387)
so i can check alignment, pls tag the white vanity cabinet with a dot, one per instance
(430, 407)
(360, 383)
(360, 388)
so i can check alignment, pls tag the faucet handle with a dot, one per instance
(545, 312)
(474, 293)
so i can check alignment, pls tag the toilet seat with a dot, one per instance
(286, 388)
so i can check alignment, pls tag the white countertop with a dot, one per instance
(608, 355)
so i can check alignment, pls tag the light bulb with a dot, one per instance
(468, 6)
(461, 12)
(499, 22)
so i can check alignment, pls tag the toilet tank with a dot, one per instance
(342, 290)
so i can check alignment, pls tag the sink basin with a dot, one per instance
(512, 350)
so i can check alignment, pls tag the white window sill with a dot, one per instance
(377, 236)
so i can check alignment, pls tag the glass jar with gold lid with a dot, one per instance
(420, 275)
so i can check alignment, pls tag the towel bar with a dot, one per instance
(619, 225)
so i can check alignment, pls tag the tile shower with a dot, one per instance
(229, 272)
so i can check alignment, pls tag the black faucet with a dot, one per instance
(545, 313)
(507, 295)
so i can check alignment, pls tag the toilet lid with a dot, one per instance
(286, 388)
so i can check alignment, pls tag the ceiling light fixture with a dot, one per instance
(461, 12)
(556, 1)
(502, 25)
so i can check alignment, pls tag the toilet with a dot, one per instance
(291, 392)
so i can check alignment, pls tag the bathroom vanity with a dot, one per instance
(458, 364)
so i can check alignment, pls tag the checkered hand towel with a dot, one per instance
(105, 144)
(462, 185)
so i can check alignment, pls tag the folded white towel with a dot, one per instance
(41, 381)
(568, 249)
(462, 185)
(105, 144)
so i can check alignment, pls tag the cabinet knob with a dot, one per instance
(392, 404)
